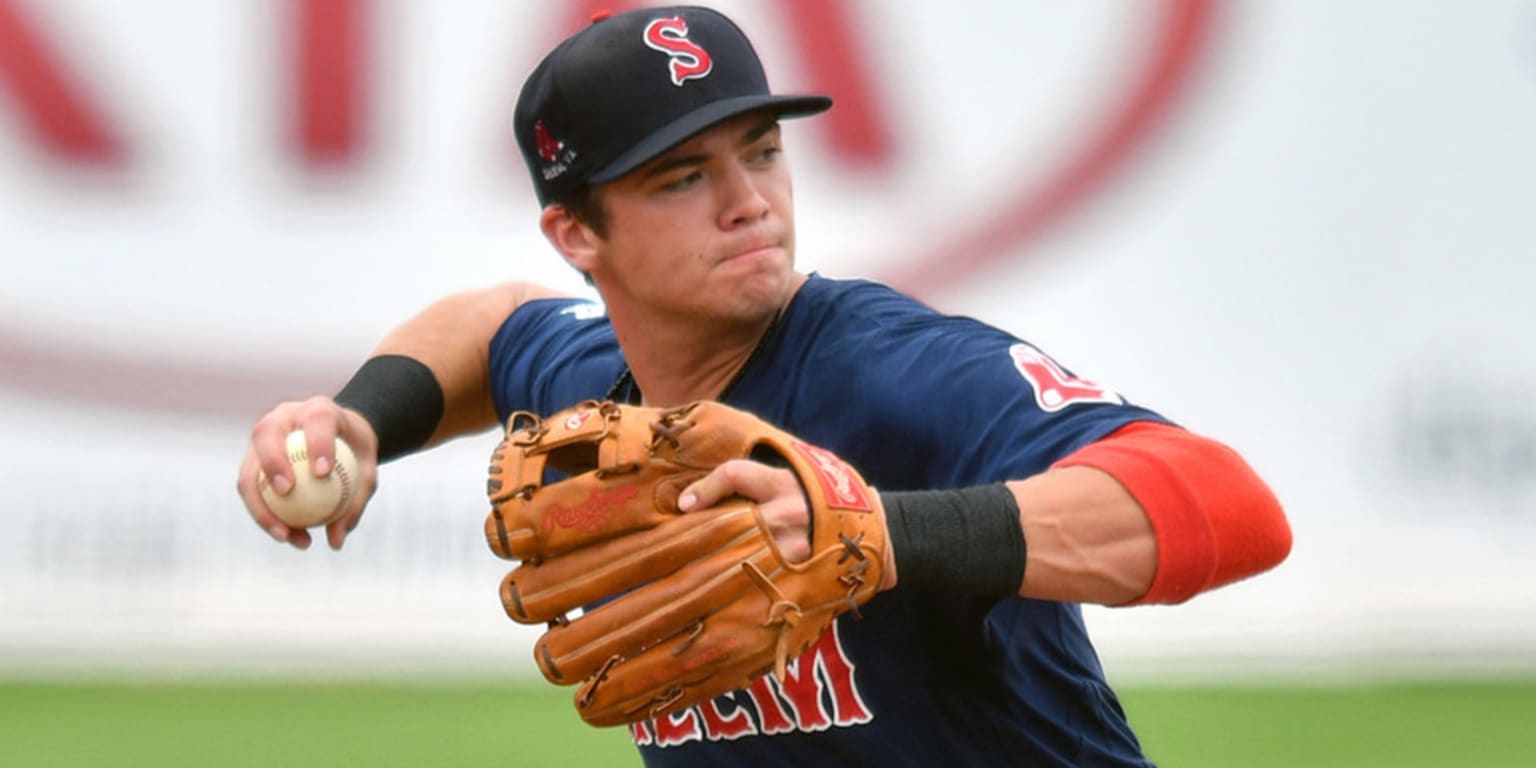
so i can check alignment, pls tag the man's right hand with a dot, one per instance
(322, 421)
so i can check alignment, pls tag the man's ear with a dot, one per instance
(575, 241)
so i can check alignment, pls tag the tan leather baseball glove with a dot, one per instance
(678, 608)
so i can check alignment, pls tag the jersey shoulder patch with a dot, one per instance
(1054, 388)
(584, 310)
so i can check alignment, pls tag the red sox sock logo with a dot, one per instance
(687, 61)
(549, 148)
(557, 159)
(1054, 388)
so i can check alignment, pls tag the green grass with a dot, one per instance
(1467, 725)
(69, 725)
(218, 726)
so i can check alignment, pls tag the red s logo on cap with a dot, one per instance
(686, 59)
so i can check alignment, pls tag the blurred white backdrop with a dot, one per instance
(1305, 228)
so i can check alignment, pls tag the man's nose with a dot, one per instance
(742, 199)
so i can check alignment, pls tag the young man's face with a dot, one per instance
(704, 229)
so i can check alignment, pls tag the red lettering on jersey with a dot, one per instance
(686, 60)
(720, 727)
(678, 728)
(641, 733)
(1056, 389)
(825, 666)
(838, 482)
(804, 694)
(848, 705)
(770, 711)
(822, 672)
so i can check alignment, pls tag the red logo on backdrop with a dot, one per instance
(685, 59)
(53, 93)
(839, 483)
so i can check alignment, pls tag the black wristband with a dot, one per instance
(961, 541)
(400, 398)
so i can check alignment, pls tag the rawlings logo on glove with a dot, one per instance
(697, 603)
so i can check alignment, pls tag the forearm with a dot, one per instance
(1149, 514)
(1089, 541)
(1072, 534)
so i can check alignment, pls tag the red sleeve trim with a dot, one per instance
(1215, 521)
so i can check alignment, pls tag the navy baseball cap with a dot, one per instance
(632, 85)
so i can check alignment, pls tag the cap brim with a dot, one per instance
(679, 130)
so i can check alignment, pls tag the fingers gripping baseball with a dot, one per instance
(698, 569)
(268, 456)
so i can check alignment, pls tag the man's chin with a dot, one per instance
(763, 293)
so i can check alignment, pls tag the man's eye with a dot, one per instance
(682, 182)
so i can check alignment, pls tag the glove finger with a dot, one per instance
(667, 612)
(535, 593)
(757, 633)
(621, 699)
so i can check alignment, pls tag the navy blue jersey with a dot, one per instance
(914, 400)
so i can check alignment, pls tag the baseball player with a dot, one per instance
(1013, 490)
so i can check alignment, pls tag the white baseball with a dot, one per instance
(313, 500)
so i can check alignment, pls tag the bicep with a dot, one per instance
(452, 338)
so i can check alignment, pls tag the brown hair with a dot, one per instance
(586, 205)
